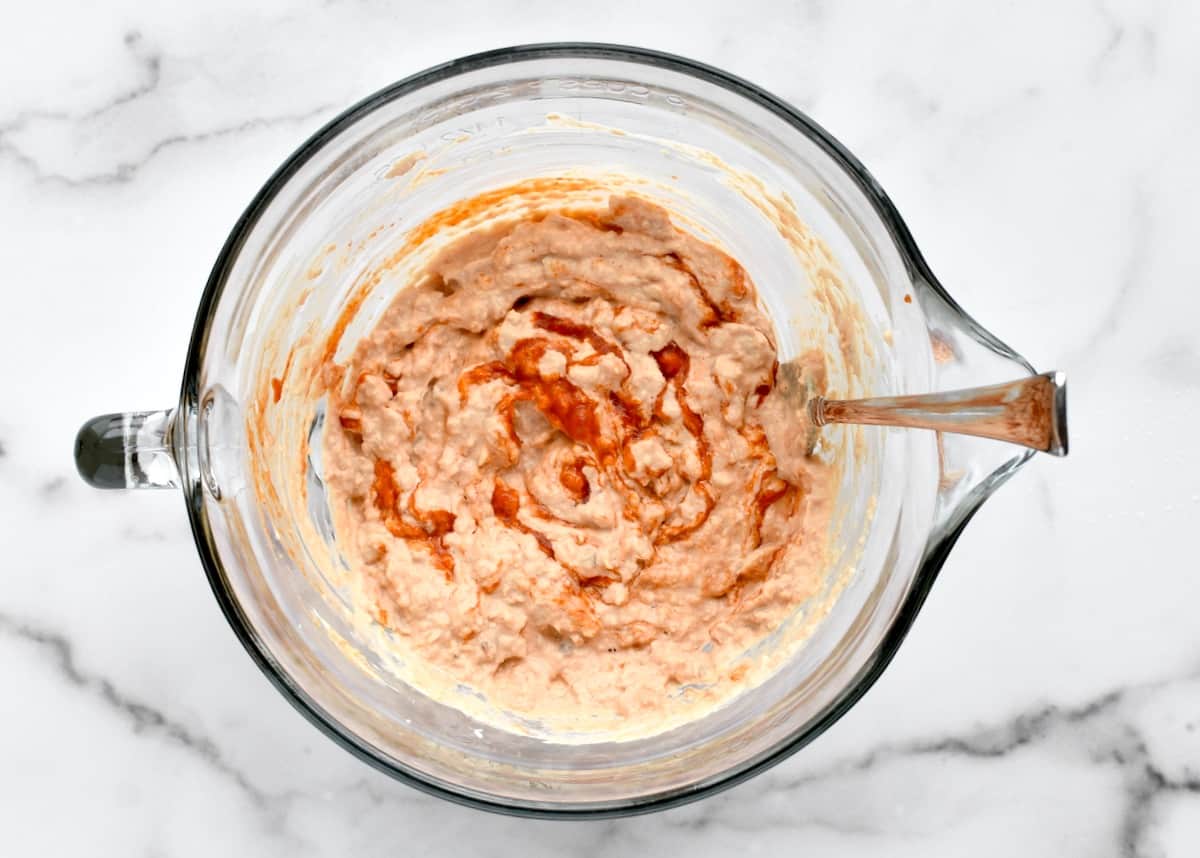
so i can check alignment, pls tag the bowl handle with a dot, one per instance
(132, 450)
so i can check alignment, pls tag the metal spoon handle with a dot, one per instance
(1031, 412)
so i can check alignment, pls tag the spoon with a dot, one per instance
(1030, 411)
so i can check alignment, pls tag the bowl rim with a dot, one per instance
(933, 557)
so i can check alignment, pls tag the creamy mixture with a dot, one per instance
(562, 472)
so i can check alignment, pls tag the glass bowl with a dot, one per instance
(294, 265)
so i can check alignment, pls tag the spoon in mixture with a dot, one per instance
(1030, 411)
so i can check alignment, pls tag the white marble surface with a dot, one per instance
(1046, 157)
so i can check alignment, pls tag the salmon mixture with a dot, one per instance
(562, 474)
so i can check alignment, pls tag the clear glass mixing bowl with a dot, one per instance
(482, 123)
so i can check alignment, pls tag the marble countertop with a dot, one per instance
(1045, 156)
